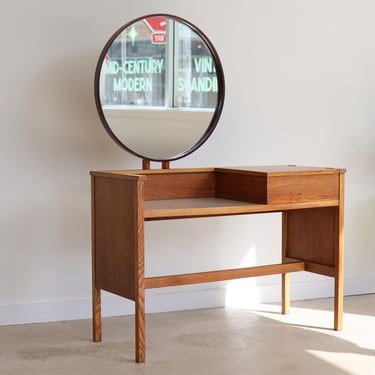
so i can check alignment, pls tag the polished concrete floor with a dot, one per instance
(211, 341)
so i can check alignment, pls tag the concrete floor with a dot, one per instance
(211, 341)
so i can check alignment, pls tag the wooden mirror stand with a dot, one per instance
(146, 164)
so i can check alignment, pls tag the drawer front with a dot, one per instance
(303, 188)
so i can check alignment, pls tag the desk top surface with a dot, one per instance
(267, 170)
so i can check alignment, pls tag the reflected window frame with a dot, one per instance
(181, 58)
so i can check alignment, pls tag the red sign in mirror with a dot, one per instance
(158, 27)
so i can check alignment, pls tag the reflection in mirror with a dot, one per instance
(159, 87)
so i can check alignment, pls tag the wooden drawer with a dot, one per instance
(278, 184)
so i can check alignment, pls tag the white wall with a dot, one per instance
(300, 88)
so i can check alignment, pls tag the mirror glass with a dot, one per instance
(159, 87)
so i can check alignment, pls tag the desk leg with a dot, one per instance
(96, 315)
(339, 302)
(339, 262)
(96, 294)
(285, 280)
(285, 293)
(140, 329)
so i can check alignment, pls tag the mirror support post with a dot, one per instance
(146, 164)
(165, 164)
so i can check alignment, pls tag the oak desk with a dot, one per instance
(311, 201)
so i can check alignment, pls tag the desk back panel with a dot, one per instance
(179, 185)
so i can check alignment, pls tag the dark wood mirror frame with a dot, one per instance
(220, 93)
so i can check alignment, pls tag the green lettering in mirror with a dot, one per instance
(136, 84)
(204, 65)
(198, 84)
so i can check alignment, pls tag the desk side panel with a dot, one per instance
(117, 232)
(312, 235)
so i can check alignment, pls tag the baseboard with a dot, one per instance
(182, 298)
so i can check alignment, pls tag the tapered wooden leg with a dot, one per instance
(339, 303)
(96, 296)
(339, 293)
(285, 298)
(96, 315)
(140, 331)
(285, 277)
(339, 264)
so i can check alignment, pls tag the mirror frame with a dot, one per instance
(220, 93)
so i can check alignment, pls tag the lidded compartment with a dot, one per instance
(278, 184)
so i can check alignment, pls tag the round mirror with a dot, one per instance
(159, 87)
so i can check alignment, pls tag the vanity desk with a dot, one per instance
(159, 92)
(310, 199)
